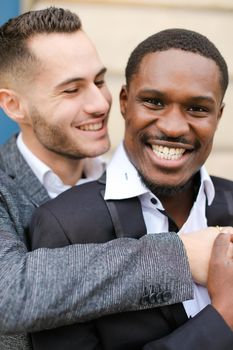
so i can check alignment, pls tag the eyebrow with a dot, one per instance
(152, 91)
(202, 98)
(160, 94)
(77, 79)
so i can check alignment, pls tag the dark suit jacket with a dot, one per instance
(131, 330)
(42, 290)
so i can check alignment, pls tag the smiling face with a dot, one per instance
(68, 102)
(171, 110)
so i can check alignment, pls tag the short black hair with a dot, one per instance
(182, 39)
(15, 56)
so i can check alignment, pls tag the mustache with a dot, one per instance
(145, 138)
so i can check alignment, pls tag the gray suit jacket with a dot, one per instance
(49, 288)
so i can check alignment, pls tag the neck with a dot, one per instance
(178, 200)
(67, 169)
(178, 207)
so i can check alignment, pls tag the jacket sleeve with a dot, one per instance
(207, 330)
(48, 288)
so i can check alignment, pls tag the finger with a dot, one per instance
(227, 229)
(221, 246)
(230, 251)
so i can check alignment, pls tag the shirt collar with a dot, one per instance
(93, 169)
(206, 186)
(123, 181)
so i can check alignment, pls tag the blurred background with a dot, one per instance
(117, 26)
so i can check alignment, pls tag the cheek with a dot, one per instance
(65, 112)
(134, 120)
(205, 138)
(205, 131)
(107, 95)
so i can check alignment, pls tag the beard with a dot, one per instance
(168, 191)
(55, 139)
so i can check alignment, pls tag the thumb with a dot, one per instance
(221, 245)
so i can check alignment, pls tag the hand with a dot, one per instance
(198, 247)
(220, 279)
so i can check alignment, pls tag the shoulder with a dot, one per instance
(81, 212)
(222, 184)
(79, 193)
(8, 147)
(11, 160)
(86, 196)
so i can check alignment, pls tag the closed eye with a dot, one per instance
(100, 83)
(70, 91)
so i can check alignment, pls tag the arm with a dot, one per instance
(212, 328)
(200, 244)
(49, 288)
(206, 331)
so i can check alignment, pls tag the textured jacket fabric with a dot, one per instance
(129, 330)
(50, 288)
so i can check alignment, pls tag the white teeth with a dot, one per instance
(167, 152)
(91, 127)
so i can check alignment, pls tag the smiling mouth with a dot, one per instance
(92, 127)
(168, 153)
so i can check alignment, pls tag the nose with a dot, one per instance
(97, 101)
(173, 122)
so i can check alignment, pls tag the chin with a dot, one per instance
(167, 189)
(98, 151)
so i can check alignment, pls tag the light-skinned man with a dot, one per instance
(52, 83)
(156, 181)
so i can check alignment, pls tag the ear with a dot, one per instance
(221, 111)
(123, 100)
(12, 105)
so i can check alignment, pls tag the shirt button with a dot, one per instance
(153, 201)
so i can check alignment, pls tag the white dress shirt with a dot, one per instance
(93, 169)
(124, 182)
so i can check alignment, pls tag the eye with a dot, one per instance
(154, 103)
(70, 91)
(100, 83)
(198, 110)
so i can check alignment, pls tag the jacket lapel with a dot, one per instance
(13, 163)
(126, 215)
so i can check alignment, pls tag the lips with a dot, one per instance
(91, 126)
(168, 153)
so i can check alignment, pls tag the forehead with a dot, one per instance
(179, 69)
(65, 54)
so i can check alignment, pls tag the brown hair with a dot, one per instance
(15, 56)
